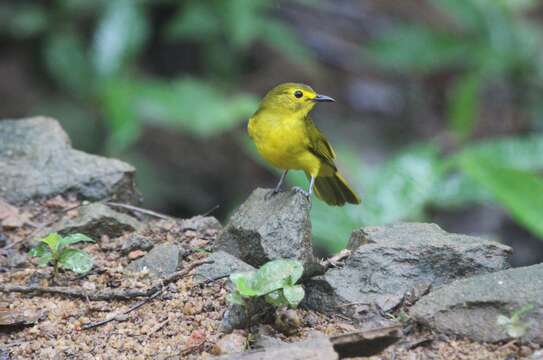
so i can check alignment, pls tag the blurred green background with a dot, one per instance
(439, 115)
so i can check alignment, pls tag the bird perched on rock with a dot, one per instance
(286, 137)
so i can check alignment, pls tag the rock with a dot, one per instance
(262, 230)
(3, 240)
(162, 261)
(471, 307)
(95, 220)
(231, 344)
(316, 347)
(398, 260)
(136, 242)
(201, 224)
(235, 317)
(366, 343)
(265, 338)
(37, 160)
(223, 265)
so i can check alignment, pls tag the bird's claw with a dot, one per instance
(271, 194)
(299, 190)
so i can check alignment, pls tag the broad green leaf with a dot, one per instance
(74, 239)
(503, 320)
(464, 105)
(235, 298)
(519, 152)
(457, 190)
(195, 20)
(76, 260)
(53, 241)
(121, 34)
(294, 294)
(401, 188)
(23, 20)
(243, 281)
(520, 192)
(417, 48)
(40, 250)
(276, 274)
(276, 298)
(45, 259)
(516, 330)
(68, 62)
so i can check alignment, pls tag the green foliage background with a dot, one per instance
(94, 55)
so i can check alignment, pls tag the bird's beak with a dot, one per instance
(322, 98)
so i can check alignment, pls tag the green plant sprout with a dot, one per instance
(53, 249)
(514, 325)
(275, 280)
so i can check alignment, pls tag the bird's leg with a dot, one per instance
(278, 186)
(308, 192)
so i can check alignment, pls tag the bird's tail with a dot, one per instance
(334, 190)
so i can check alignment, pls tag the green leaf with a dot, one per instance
(53, 241)
(194, 20)
(45, 259)
(276, 298)
(23, 20)
(68, 62)
(520, 192)
(40, 250)
(276, 274)
(235, 298)
(74, 239)
(519, 152)
(243, 281)
(76, 260)
(401, 188)
(121, 34)
(464, 105)
(417, 48)
(294, 294)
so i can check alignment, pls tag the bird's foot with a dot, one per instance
(271, 194)
(299, 190)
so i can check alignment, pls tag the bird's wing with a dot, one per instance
(318, 145)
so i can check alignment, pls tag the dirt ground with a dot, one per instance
(182, 322)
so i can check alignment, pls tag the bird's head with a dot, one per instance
(292, 98)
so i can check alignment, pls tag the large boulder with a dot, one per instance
(491, 307)
(399, 261)
(266, 228)
(37, 160)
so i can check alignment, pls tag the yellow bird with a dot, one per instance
(285, 136)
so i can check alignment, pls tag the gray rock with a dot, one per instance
(37, 160)
(162, 261)
(316, 347)
(136, 242)
(398, 260)
(95, 220)
(223, 265)
(266, 229)
(201, 223)
(235, 317)
(470, 307)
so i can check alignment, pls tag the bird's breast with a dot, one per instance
(282, 142)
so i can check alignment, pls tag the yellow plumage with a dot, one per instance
(285, 136)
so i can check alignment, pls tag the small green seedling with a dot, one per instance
(275, 280)
(514, 325)
(53, 249)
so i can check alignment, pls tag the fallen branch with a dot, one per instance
(140, 210)
(115, 315)
(101, 295)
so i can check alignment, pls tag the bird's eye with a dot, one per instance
(298, 94)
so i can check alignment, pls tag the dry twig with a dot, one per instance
(140, 210)
(102, 295)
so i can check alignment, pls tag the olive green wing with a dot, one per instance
(318, 145)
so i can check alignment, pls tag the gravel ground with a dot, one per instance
(181, 323)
